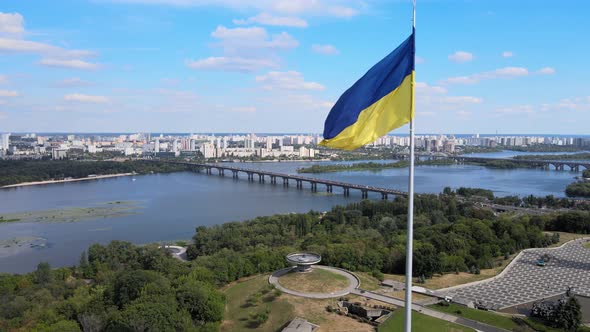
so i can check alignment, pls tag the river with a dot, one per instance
(169, 207)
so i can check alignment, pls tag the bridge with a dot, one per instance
(558, 165)
(262, 176)
(545, 164)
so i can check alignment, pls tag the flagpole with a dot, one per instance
(410, 226)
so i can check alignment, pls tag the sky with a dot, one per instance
(278, 66)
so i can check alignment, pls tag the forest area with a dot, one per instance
(19, 171)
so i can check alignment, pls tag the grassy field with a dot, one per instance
(316, 281)
(282, 309)
(238, 310)
(368, 282)
(450, 279)
(566, 237)
(587, 245)
(486, 317)
(420, 323)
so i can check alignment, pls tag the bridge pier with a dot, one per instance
(221, 172)
(250, 177)
(260, 178)
(314, 187)
(346, 191)
(299, 184)
(384, 196)
(286, 182)
(364, 194)
(575, 168)
(273, 179)
(234, 174)
(208, 170)
(329, 188)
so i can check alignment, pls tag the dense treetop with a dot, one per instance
(19, 171)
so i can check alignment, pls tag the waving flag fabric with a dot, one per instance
(380, 101)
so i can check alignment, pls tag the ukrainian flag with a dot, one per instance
(382, 100)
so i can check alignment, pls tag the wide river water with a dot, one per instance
(169, 207)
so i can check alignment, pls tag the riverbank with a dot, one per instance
(37, 183)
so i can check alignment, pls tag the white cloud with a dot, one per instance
(12, 23)
(324, 49)
(299, 102)
(507, 54)
(506, 72)
(238, 64)
(336, 8)
(8, 93)
(77, 97)
(546, 71)
(74, 64)
(74, 82)
(245, 50)
(429, 97)
(521, 109)
(269, 19)
(461, 80)
(424, 88)
(26, 46)
(240, 40)
(461, 57)
(289, 80)
(459, 100)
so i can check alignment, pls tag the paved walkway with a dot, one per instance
(429, 312)
(523, 281)
(177, 251)
(353, 283)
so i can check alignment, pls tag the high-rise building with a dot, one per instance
(208, 150)
(4, 141)
(157, 145)
(175, 146)
(269, 141)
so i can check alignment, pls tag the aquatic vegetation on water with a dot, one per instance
(107, 210)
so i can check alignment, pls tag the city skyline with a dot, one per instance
(170, 65)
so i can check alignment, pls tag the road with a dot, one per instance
(432, 313)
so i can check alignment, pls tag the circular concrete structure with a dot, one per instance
(303, 260)
(353, 283)
(176, 251)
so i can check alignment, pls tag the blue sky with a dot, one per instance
(484, 66)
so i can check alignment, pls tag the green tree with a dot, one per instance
(151, 316)
(568, 314)
(129, 284)
(42, 275)
(203, 302)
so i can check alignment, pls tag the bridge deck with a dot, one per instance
(302, 178)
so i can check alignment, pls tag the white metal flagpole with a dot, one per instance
(410, 226)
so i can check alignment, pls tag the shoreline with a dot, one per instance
(37, 183)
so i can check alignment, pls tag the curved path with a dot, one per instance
(353, 283)
(177, 251)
